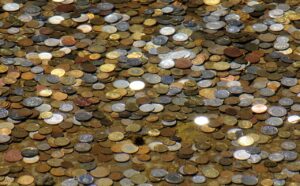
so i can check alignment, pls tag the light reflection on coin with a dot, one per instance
(201, 120)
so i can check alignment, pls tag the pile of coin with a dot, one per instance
(149, 92)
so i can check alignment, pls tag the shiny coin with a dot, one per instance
(11, 7)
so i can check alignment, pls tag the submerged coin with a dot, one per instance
(148, 93)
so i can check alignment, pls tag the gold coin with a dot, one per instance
(129, 148)
(206, 128)
(121, 91)
(58, 72)
(3, 68)
(267, 182)
(5, 131)
(116, 136)
(104, 182)
(7, 125)
(113, 55)
(154, 132)
(135, 55)
(244, 124)
(114, 36)
(94, 56)
(211, 2)
(150, 22)
(25, 180)
(45, 93)
(113, 95)
(245, 140)
(45, 115)
(107, 67)
(135, 71)
(75, 73)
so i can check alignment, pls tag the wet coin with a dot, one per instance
(249, 180)
(174, 178)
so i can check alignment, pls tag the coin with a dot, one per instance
(125, 92)
(25, 180)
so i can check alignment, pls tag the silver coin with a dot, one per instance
(121, 83)
(98, 86)
(4, 138)
(174, 147)
(220, 12)
(151, 78)
(43, 107)
(130, 172)
(275, 13)
(32, 101)
(86, 138)
(52, 42)
(159, 173)
(54, 119)
(281, 46)
(198, 179)
(215, 25)
(13, 30)
(237, 178)
(126, 182)
(213, 102)
(255, 158)
(167, 31)
(259, 27)
(249, 180)
(241, 154)
(147, 107)
(233, 29)
(169, 123)
(167, 9)
(174, 178)
(267, 92)
(232, 16)
(112, 18)
(222, 94)
(109, 29)
(288, 145)
(295, 107)
(274, 121)
(269, 130)
(11, 7)
(66, 107)
(82, 18)
(167, 63)
(289, 81)
(285, 101)
(118, 107)
(37, 69)
(290, 155)
(276, 157)
(276, 27)
(282, 39)
(180, 36)
(157, 107)
(70, 182)
(139, 44)
(283, 6)
(277, 111)
(248, 9)
(205, 83)
(211, 18)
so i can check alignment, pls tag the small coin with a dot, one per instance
(25, 180)
(116, 136)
